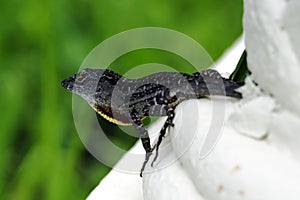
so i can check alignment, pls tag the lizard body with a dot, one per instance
(127, 101)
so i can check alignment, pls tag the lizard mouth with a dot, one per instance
(68, 83)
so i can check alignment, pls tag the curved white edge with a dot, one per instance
(119, 185)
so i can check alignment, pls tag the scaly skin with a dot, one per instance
(127, 101)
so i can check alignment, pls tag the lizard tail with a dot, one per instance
(230, 88)
(209, 83)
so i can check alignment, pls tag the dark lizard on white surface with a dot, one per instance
(126, 101)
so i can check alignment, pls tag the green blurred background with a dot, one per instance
(42, 42)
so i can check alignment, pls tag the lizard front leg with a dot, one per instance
(168, 122)
(137, 123)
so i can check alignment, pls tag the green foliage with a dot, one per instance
(241, 71)
(42, 42)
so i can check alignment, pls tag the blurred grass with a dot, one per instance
(42, 42)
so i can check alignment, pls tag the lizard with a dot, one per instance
(125, 101)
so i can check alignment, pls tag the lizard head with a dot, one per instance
(96, 87)
(90, 83)
(84, 83)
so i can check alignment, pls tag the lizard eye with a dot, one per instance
(80, 79)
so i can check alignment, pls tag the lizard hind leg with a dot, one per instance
(168, 123)
(147, 156)
(136, 121)
(147, 146)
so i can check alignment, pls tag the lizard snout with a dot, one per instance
(68, 83)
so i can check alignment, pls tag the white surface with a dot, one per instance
(272, 39)
(118, 185)
(239, 167)
(258, 126)
(170, 182)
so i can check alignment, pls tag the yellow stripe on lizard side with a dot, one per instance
(115, 117)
